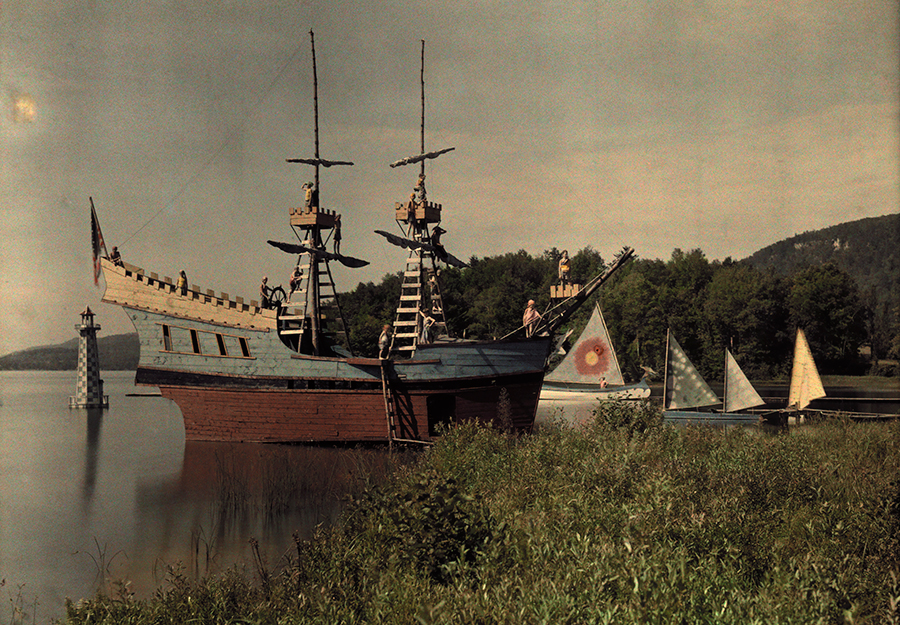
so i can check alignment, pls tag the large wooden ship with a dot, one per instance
(241, 371)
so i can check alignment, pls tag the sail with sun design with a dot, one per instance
(591, 369)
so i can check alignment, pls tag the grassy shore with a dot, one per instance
(862, 381)
(625, 521)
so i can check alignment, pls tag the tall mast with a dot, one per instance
(312, 40)
(315, 316)
(422, 133)
(421, 304)
(312, 219)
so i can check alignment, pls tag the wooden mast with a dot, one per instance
(422, 91)
(314, 313)
(312, 219)
(415, 217)
(312, 41)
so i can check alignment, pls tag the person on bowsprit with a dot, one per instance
(384, 342)
(530, 318)
(181, 284)
(564, 268)
(337, 235)
(264, 293)
(296, 276)
(116, 258)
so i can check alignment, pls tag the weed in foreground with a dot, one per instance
(616, 522)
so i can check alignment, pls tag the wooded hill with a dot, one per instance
(117, 352)
(839, 284)
(867, 249)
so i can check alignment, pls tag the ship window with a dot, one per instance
(245, 348)
(195, 341)
(167, 338)
(221, 342)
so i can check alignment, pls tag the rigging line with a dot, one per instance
(262, 98)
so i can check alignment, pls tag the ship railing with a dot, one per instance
(194, 292)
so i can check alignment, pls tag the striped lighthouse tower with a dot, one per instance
(88, 386)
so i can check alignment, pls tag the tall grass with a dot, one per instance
(625, 520)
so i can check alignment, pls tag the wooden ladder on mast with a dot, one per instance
(409, 321)
(295, 320)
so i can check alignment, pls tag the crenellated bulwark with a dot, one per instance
(128, 285)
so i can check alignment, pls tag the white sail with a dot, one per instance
(739, 393)
(806, 385)
(684, 388)
(591, 358)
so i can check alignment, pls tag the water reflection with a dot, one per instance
(229, 493)
(91, 452)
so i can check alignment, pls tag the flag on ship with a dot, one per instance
(97, 242)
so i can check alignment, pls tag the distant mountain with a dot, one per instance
(117, 352)
(868, 250)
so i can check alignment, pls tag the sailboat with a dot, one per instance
(591, 361)
(685, 391)
(806, 385)
(243, 370)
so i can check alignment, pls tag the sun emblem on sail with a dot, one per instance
(592, 357)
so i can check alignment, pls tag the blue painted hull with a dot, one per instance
(223, 363)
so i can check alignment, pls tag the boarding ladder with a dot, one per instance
(388, 402)
(390, 408)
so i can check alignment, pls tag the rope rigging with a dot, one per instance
(248, 111)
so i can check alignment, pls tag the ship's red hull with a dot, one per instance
(341, 415)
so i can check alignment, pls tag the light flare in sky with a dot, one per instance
(24, 109)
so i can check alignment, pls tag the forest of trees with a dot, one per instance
(707, 305)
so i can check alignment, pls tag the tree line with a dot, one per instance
(708, 305)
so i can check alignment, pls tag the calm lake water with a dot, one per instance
(89, 495)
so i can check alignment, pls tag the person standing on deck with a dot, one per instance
(337, 235)
(264, 292)
(563, 272)
(427, 334)
(530, 318)
(115, 257)
(384, 342)
(181, 285)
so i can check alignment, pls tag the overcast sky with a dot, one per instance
(657, 124)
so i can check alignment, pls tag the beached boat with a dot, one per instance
(590, 370)
(281, 370)
(685, 391)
